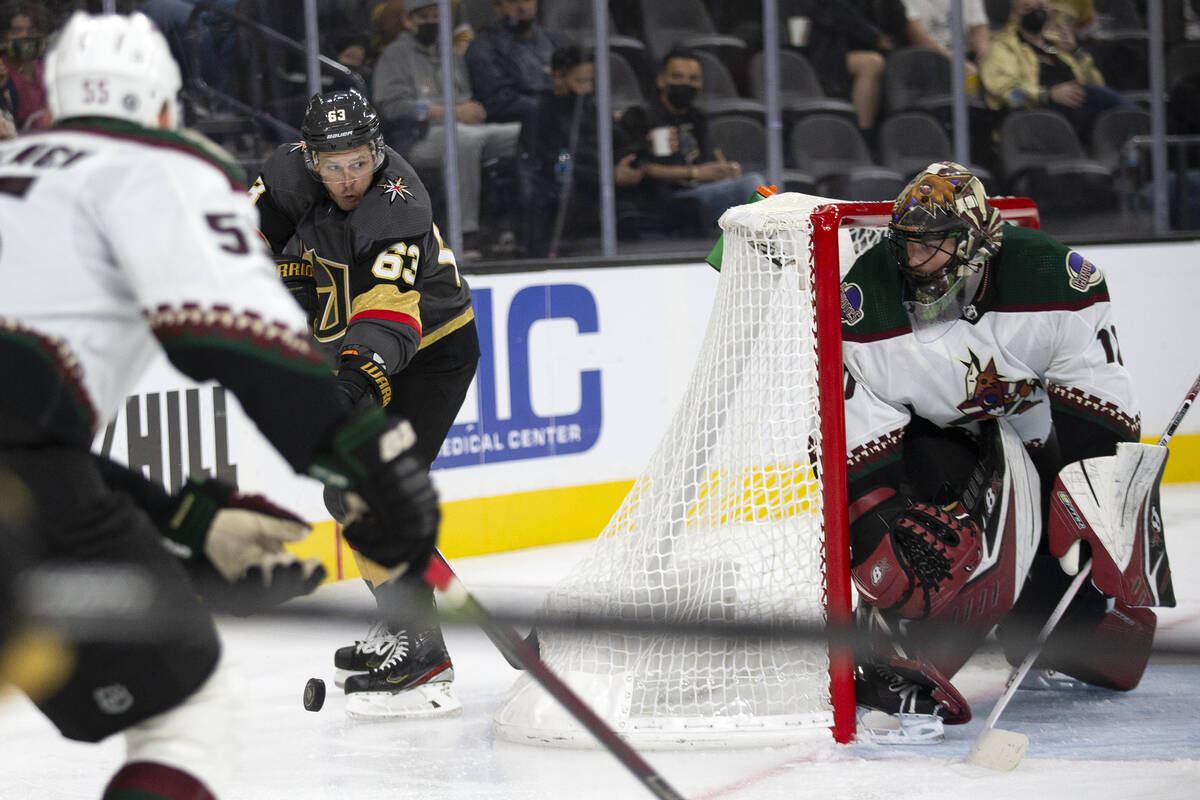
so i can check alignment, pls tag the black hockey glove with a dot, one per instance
(372, 457)
(362, 374)
(298, 278)
(232, 547)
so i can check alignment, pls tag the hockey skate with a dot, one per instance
(414, 680)
(365, 654)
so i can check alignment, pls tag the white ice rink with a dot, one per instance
(1087, 744)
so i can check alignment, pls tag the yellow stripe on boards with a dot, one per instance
(551, 516)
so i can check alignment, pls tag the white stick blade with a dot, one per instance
(998, 749)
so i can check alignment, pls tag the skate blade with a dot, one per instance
(1049, 680)
(999, 749)
(880, 727)
(420, 702)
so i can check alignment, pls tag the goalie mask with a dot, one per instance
(943, 210)
(338, 121)
(112, 66)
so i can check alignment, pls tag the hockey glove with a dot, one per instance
(922, 562)
(239, 539)
(298, 278)
(362, 374)
(392, 506)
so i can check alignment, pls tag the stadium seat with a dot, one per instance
(917, 79)
(1041, 156)
(719, 93)
(800, 90)
(744, 140)
(832, 149)
(687, 23)
(912, 140)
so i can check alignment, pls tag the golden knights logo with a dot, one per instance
(990, 394)
(393, 189)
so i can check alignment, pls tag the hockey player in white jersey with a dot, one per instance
(121, 237)
(979, 360)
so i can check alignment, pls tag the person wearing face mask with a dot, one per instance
(1035, 63)
(509, 61)
(407, 90)
(689, 168)
(23, 27)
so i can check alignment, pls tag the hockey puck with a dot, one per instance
(314, 694)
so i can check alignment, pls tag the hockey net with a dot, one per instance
(740, 515)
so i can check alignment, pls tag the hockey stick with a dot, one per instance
(456, 598)
(1000, 749)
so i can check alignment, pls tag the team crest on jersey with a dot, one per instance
(1082, 273)
(298, 146)
(395, 188)
(852, 303)
(113, 699)
(990, 394)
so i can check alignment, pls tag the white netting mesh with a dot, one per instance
(724, 524)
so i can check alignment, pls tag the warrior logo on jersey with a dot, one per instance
(1082, 273)
(852, 303)
(395, 188)
(990, 394)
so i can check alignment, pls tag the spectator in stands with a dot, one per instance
(559, 158)
(928, 25)
(407, 91)
(509, 61)
(847, 45)
(209, 45)
(8, 102)
(693, 169)
(24, 25)
(1035, 63)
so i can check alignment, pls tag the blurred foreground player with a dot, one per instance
(980, 360)
(121, 237)
(384, 295)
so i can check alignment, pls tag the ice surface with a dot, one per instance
(1089, 744)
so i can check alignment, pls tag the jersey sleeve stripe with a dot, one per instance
(391, 316)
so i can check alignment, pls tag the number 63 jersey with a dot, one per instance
(385, 279)
(1037, 346)
(116, 240)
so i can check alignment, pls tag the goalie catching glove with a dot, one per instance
(393, 507)
(922, 561)
(232, 545)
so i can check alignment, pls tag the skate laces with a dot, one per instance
(399, 644)
(379, 640)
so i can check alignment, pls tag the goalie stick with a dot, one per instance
(457, 599)
(1003, 750)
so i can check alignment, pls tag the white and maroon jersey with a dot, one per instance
(1040, 349)
(115, 241)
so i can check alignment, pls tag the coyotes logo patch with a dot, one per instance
(852, 303)
(1081, 273)
(990, 394)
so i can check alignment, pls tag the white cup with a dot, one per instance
(798, 28)
(660, 141)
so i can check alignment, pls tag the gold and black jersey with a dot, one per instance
(385, 278)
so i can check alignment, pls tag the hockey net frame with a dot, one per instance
(834, 230)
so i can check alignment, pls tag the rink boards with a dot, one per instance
(580, 374)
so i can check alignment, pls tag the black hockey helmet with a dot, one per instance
(341, 120)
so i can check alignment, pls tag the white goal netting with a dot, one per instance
(725, 524)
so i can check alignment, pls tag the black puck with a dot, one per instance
(314, 694)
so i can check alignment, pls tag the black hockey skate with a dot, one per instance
(365, 654)
(414, 680)
(906, 701)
